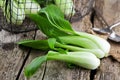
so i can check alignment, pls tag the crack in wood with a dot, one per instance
(92, 74)
(92, 19)
(25, 59)
(19, 72)
(113, 59)
(44, 71)
(92, 16)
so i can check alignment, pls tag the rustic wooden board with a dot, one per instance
(109, 70)
(110, 11)
(56, 70)
(110, 67)
(11, 56)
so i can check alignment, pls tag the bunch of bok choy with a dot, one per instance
(15, 10)
(65, 44)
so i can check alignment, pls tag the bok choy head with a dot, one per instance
(83, 59)
(57, 26)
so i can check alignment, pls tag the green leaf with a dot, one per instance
(35, 44)
(45, 26)
(39, 44)
(56, 17)
(70, 65)
(34, 66)
(52, 10)
(51, 42)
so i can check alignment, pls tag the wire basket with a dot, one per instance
(13, 13)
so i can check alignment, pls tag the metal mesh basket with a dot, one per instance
(13, 14)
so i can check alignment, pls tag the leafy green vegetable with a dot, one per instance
(66, 7)
(14, 13)
(70, 46)
(45, 26)
(78, 41)
(30, 6)
(84, 59)
(39, 44)
(56, 17)
(34, 65)
(105, 46)
(102, 43)
(98, 52)
(53, 18)
(51, 43)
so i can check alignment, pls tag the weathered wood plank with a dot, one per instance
(109, 68)
(109, 9)
(83, 25)
(111, 13)
(56, 70)
(11, 56)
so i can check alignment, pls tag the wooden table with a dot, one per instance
(13, 59)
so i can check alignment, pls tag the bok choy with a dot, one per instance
(66, 7)
(14, 13)
(53, 44)
(30, 6)
(58, 26)
(102, 43)
(79, 48)
(83, 59)
(15, 10)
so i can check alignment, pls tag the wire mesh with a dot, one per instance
(13, 13)
(1, 15)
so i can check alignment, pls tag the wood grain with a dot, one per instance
(110, 11)
(109, 70)
(11, 56)
(110, 67)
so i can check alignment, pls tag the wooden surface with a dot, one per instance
(13, 59)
